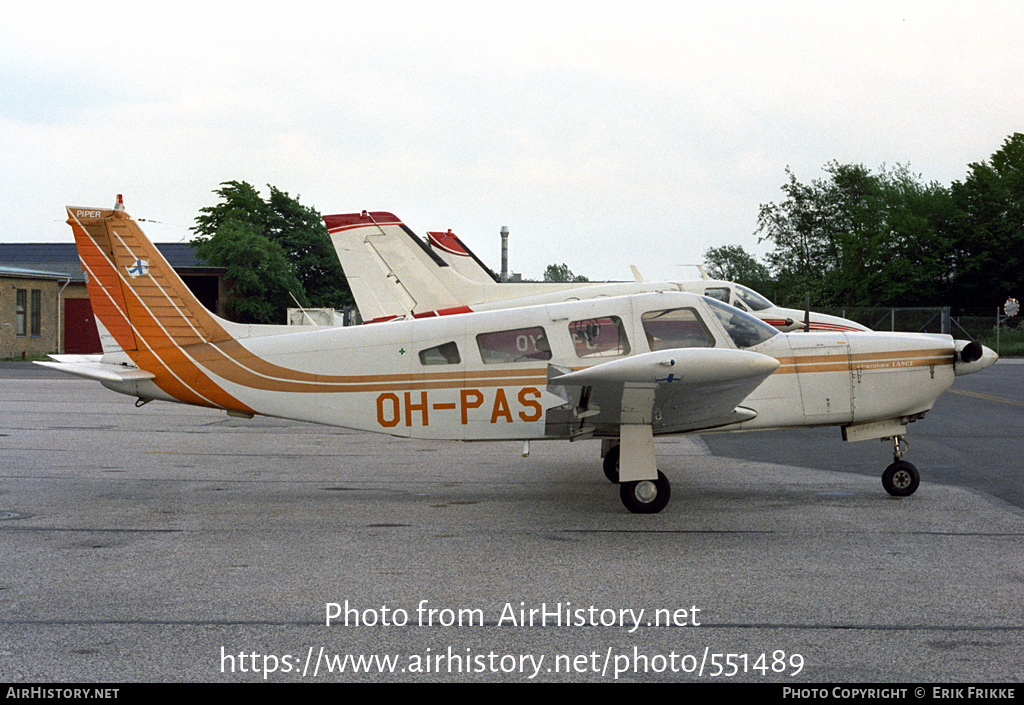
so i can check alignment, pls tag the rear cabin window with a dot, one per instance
(676, 328)
(599, 337)
(446, 354)
(518, 345)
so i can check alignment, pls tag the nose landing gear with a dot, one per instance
(901, 478)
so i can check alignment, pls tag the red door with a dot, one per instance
(80, 334)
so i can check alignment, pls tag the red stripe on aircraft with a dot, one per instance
(347, 221)
(454, 310)
(447, 242)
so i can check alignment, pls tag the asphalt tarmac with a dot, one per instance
(170, 543)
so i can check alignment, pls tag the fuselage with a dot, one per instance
(488, 375)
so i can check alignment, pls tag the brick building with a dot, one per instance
(30, 313)
(43, 293)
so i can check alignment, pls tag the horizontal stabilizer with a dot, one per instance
(90, 367)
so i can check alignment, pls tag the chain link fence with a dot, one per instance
(993, 328)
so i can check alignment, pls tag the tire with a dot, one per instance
(646, 496)
(611, 465)
(901, 479)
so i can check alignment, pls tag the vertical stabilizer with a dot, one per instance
(454, 251)
(376, 248)
(135, 294)
(146, 313)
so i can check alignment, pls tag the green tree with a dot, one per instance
(262, 279)
(989, 233)
(274, 249)
(562, 273)
(300, 230)
(860, 238)
(733, 263)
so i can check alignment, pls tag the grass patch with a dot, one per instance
(27, 358)
(1011, 341)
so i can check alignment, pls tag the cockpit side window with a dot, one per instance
(753, 300)
(676, 328)
(745, 330)
(599, 337)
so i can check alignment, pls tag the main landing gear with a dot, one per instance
(638, 496)
(646, 496)
(900, 479)
(611, 465)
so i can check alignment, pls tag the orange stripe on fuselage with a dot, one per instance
(864, 361)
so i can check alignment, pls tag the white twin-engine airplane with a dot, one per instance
(393, 274)
(623, 369)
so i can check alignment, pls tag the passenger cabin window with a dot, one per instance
(519, 345)
(599, 337)
(745, 330)
(446, 354)
(718, 292)
(676, 328)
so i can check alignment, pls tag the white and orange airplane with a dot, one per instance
(393, 274)
(623, 369)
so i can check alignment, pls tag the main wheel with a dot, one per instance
(646, 496)
(611, 465)
(901, 479)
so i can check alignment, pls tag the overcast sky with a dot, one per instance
(601, 134)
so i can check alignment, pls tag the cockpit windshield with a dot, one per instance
(745, 330)
(753, 300)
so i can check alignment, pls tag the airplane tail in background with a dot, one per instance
(376, 248)
(371, 247)
(454, 251)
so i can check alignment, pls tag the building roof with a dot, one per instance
(61, 258)
(22, 273)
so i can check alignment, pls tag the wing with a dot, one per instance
(672, 390)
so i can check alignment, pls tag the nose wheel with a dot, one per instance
(901, 479)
